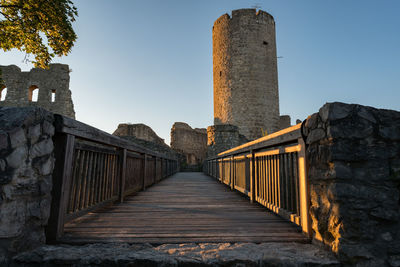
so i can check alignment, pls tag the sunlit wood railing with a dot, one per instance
(271, 171)
(94, 168)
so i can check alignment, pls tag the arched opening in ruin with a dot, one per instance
(3, 92)
(33, 93)
(53, 95)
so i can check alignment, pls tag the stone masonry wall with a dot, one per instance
(26, 166)
(353, 157)
(245, 72)
(223, 137)
(54, 80)
(140, 131)
(190, 142)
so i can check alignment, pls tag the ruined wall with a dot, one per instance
(26, 166)
(223, 137)
(245, 72)
(52, 83)
(353, 156)
(190, 142)
(143, 135)
(140, 131)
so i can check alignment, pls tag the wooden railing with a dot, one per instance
(94, 168)
(271, 171)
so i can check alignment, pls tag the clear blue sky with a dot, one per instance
(151, 61)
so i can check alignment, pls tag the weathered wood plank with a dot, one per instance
(187, 207)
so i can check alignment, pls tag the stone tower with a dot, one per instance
(245, 72)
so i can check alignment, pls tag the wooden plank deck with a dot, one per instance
(186, 207)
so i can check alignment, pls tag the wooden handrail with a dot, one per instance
(94, 168)
(271, 171)
(86, 132)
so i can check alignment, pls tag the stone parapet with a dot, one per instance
(353, 155)
(26, 166)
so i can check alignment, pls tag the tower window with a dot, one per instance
(53, 95)
(265, 43)
(220, 73)
(33, 93)
(3, 92)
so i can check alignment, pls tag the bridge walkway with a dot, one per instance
(187, 207)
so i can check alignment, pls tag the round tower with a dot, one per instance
(245, 72)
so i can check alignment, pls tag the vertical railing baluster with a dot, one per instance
(74, 181)
(295, 182)
(94, 184)
(79, 183)
(144, 170)
(87, 180)
(271, 189)
(122, 164)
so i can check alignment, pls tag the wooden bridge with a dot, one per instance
(109, 190)
(185, 208)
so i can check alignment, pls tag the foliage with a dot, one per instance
(34, 26)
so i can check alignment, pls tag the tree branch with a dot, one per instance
(11, 6)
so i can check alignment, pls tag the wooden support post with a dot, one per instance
(122, 164)
(252, 177)
(232, 176)
(62, 178)
(155, 170)
(144, 170)
(303, 190)
(162, 170)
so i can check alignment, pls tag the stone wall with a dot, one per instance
(140, 131)
(26, 166)
(284, 122)
(223, 137)
(353, 158)
(143, 135)
(245, 72)
(192, 143)
(53, 84)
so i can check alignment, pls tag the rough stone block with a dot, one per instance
(12, 218)
(334, 111)
(42, 148)
(3, 165)
(316, 135)
(48, 128)
(33, 209)
(17, 137)
(17, 157)
(45, 185)
(44, 165)
(34, 133)
(3, 141)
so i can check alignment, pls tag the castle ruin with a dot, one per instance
(46, 88)
(192, 143)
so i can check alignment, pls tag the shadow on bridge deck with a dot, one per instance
(184, 208)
